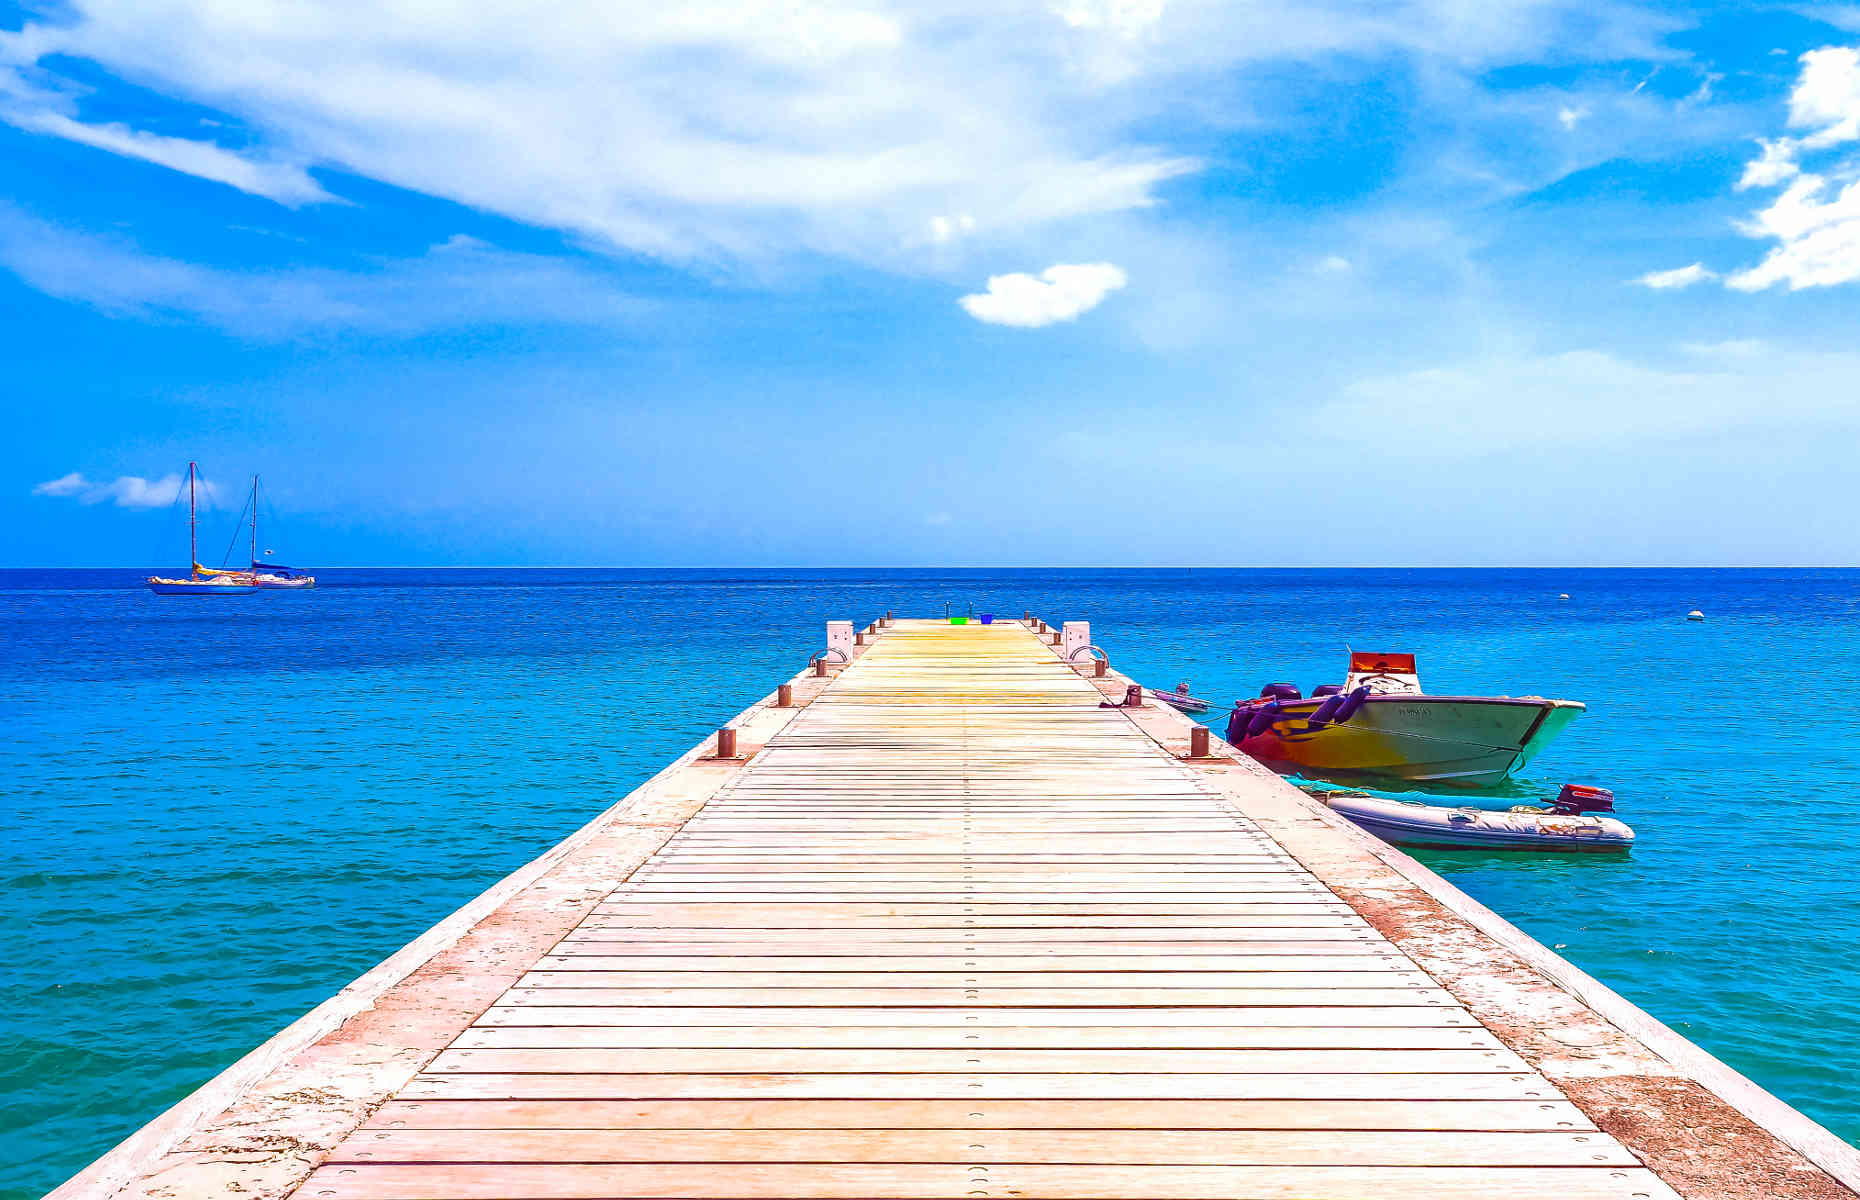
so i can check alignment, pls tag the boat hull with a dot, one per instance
(1439, 741)
(1429, 825)
(301, 583)
(202, 589)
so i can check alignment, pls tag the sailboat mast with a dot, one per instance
(253, 559)
(193, 550)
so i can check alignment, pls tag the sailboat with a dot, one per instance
(200, 580)
(265, 574)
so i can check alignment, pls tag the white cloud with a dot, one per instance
(1334, 263)
(64, 485)
(1776, 165)
(1820, 239)
(1060, 293)
(735, 130)
(1826, 98)
(1569, 117)
(284, 182)
(937, 518)
(458, 283)
(125, 491)
(1126, 18)
(1678, 277)
(1817, 238)
(947, 229)
(706, 129)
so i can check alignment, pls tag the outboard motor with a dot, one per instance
(1327, 689)
(1576, 799)
(1281, 691)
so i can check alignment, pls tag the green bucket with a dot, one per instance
(959, 620)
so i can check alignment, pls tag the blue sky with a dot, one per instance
(841, 283)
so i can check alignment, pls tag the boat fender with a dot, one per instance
(1237, 722)
(1326, 710)
(1263, 717)
(1351, 703)
(1281, 691)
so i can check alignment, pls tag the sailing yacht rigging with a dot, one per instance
(200, 580)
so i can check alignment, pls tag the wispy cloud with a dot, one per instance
(1060, 293)
(125, 491)
(714, 130)
(1678, 277)
(458, 283)
(286, 183)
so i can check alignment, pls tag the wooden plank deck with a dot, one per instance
(959, 932)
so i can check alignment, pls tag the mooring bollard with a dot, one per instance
(1133, 696)
(1055, 639)
(820, 667)
(726, 742)
(859, 638)
(784, 696)
(1198, 742)
(1102, 666)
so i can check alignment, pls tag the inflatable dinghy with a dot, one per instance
(1571, 824)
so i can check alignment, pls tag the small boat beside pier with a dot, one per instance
(1378, 726)
(1569, 824)
(1180, 700)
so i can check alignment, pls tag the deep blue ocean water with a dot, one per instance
(220, 811)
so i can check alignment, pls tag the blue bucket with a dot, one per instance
(988, 618)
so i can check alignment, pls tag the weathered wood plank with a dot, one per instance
(934, 1181)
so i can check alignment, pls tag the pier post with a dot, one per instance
(784, 696)
(859, 638)
(820, 667)
(1101, 666)
(1198, 742)
(726, 742)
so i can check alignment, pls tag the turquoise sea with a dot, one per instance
(220, 811)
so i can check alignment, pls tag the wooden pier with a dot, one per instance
(951, 929)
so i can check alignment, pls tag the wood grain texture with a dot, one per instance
(956, 931)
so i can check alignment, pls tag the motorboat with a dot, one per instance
(1379, 726)
(1568, 824)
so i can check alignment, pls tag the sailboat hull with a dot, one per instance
(184, 588)
(1439, 741)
